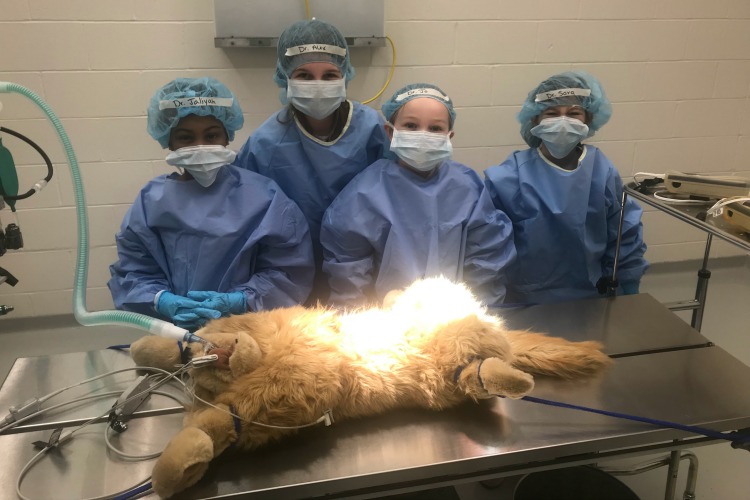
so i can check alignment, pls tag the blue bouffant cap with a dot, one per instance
(311, 41)
(565, 89)
(192, 96)
(413, 91)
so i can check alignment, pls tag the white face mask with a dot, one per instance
(202, 162)
(316, 98)
(561, 134)
(421, 150)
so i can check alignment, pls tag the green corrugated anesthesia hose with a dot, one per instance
(124, 318)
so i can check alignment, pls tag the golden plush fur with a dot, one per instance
(431, 346)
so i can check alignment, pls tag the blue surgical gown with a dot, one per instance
(565, 225)
(312, 172)
(390, 226)
(240, 234)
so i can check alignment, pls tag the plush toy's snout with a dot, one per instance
(223, 354)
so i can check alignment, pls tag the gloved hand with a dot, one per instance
(226, 303)
(195, 318)
(184, 312)
(631, 287)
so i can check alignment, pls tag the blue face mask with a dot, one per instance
(561, 134)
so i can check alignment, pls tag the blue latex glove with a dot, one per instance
(184, 312)
(195, 318)
(226, 303)
(631, 287)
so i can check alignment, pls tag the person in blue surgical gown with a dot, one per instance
(565, 199)
(417, 214)
(211, 239)
(317, 143)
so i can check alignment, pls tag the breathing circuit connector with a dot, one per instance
(170, 331)
(191, 337)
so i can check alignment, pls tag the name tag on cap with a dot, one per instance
(316, 47)
(225, 102)
(556, 94)
(422, 92)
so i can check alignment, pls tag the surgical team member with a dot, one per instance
(212, 239)
(564, 198)
(314, 146)
(416, 215)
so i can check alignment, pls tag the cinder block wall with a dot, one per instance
(677, 71)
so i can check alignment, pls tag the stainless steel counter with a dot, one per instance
(666, 371)
(626, 325)
(693, 215)
(696, 217)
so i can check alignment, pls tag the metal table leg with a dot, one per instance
(701, 288)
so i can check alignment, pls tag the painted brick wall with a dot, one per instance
(677, 72)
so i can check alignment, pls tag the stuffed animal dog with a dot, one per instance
(432, 346)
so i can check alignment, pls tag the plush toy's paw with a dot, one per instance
(483, 379)
(183, 462)
(501, 379)
(157, 352)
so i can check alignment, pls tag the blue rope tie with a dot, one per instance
(134, 492)
(119, 347)
(738, 440)
(237, 427)
(735, 438)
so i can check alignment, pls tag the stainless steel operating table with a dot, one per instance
(664, 369)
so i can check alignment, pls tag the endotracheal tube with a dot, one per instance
(135, 320)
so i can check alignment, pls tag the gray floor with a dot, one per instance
(723, 471)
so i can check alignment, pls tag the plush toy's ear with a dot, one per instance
(157, 352)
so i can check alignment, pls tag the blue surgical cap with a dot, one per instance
(192, 96)
(413, 91)
(311, 41)
(543, 97)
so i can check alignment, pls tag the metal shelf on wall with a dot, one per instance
(259, 42)
(259, 23)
